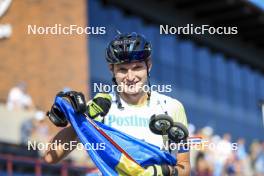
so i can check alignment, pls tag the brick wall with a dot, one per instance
(47, 63)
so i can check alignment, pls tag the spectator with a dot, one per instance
(232, 166)
(259, 162)
(222, 152)
(255, 150)
(18, 98)
(241, 149)
(30, 125)
(243, 158)
(202, 167)
(222, 159)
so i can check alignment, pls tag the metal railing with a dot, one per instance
(38, 165)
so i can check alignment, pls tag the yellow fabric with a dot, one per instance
(127, 167)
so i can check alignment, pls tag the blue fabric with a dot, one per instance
(107, 160)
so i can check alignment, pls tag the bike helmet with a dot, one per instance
(126, 48)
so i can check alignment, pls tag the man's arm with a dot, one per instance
(100, 105)
(66, 135)
(183, 164)
(183, 159)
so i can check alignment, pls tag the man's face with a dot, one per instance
(131, 76)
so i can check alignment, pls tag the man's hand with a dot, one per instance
(57, 117)
(77, 101)
(99, 105)
(162, 170)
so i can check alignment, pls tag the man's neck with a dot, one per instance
(135, 99)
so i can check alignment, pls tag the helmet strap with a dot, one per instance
(118, 100)
(148, 79)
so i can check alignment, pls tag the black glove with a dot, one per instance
(77, 101)
(161, 170)
(99, 105)
(57, 117)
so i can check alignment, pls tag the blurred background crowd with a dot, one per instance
(218, 78)
(228, 157)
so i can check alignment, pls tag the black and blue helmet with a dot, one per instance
(126, 48)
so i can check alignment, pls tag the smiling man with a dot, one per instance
(129, 59)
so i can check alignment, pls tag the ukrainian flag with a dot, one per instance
(110, 159)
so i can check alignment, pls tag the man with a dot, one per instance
(18, 98)
(129, 59)
(32, 125)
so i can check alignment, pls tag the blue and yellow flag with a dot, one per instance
(108, 157)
